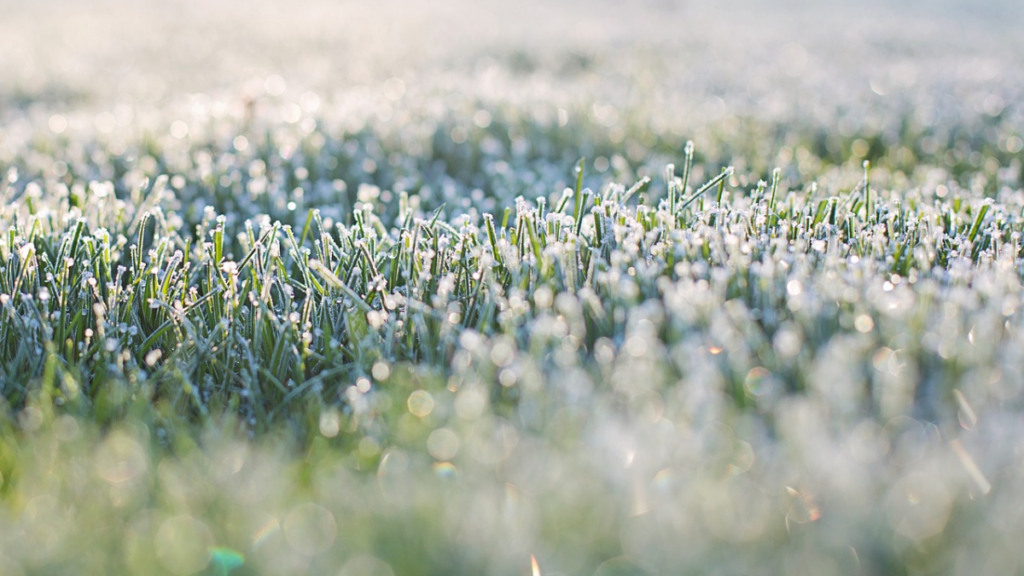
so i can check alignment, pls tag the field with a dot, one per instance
(520, 289)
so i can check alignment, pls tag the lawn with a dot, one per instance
(563, 289)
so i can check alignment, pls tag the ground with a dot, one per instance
(522, 288)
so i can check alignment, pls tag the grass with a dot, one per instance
(682, 325)
(511, 319)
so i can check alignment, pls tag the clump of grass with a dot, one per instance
(251, 317)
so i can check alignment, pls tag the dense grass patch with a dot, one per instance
(680, 358)
(454, 306)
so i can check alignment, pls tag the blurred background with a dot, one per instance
(108, 51)
(885, 76)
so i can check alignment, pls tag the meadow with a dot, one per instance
(480, 289)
